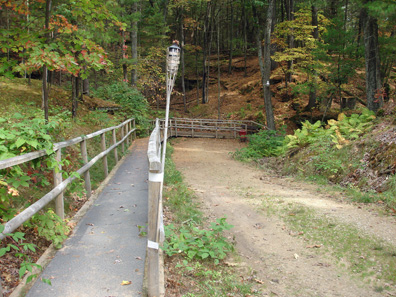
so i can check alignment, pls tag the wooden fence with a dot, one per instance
(209, 128)
(128, 133)
(155, 234)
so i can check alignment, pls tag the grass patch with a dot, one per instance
(363, 255)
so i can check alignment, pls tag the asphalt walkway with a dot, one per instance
(105, 255)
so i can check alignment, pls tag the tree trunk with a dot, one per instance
(231, 38)
(85, 90)
(75, 94)
(124, 54)
(182, 59)
(45, 96)
(205, 46)
(315, 34)
(289, 6)
(372, 61)
(266, 72)
(134, 45)
(218, 71)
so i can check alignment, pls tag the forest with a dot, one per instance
(319, 74)
(313, 48)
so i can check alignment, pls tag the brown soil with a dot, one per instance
(284, 264)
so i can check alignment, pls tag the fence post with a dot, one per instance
(122, 136)
(126, 133)
(192, 129)
(87, 176)
(59, 204)
(134, 127)
(114, 142)
(103, 144)
(154, 190)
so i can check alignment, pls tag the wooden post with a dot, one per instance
(192, 128)
(87, 176)
(134, 127)
(122, 136)
(126, 133)
(103, 144)
(114, 142)
(153, 266)
(59, 204)
(176, 128)
(216, 129)
(235, 134)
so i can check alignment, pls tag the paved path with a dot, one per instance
(105, 248)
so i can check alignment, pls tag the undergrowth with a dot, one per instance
(196, 246)
(331, 152)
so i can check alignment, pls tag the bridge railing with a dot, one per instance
(211, 128)
(128, 133)
(155, 234)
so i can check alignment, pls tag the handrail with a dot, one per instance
(60, 186)
(184, 127)
(155, 234)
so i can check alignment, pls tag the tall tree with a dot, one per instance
(267, 67)
(372, 60)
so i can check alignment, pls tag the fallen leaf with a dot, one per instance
(138, 258)
(126, 283)
(259, 281)
(296, 256)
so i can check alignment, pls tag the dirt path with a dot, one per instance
(283, 264)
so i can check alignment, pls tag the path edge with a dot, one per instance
(23, 288)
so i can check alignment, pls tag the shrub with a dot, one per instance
(132, 101)
(266, 143)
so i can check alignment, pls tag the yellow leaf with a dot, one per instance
(126, 283)
(341, 116)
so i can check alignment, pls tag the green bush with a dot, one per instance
(266, 143)
(132, 101)
(196, 243)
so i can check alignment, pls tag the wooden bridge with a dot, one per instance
(119, 136)
(210, 128)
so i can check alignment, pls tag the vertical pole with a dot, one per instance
(154, 193)
(103, 144)
(176, 127)
(192, 128)
(114, 142)
(59, 204)
(134, 127)
(122, 136)
(87, 176)
(216, 129)
(126, 133)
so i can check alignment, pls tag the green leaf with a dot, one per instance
(20, 142)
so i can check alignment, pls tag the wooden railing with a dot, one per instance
(128, 133)
(202, 128)
(155, 234)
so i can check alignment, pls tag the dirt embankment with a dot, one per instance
(284, 263)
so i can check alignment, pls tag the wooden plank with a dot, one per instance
(21, 159)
